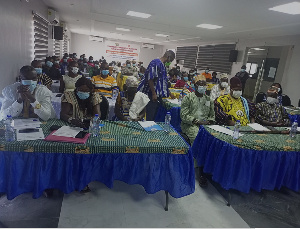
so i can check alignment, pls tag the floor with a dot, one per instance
(129, 206)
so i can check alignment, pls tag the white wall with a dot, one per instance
(81, 44)
(291, 76)
(16, 46)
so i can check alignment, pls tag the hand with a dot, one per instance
(29, 96)
(172, 96)
(231, 123)
(154, 97)
(78, 123)
(279, 124)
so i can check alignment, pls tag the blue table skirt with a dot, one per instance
(22, 172)
(244, 169)
(175, 116)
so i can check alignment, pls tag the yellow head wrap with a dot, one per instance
(199, 77)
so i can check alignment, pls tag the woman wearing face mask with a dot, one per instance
(48, 65)
(220, 89)
(278, 87)
(270, 112)
(42, 77)
(180, 83)
(232, 107)
(80, 104)
(67, 83)
(125, 99)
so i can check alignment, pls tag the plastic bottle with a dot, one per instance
(293, 131)
(9, 130)
(180, 99)
(114, 94)
(168, 118)
(236, 129)
(96, 125)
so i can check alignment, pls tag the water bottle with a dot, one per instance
(96, 125)
(168, 118)
(236, 129)
(9, 130)
(293, 131)
(114, 94)
(180, 99)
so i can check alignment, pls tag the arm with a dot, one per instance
(42, 108)
(11, 108)
(211, 115)
(96, 110)
(118, 109)
(151, 85)
(65, 110)
(260, 118)
(62, 86)
(285, 118)
(221, 117)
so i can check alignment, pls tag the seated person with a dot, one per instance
(173, 75)
(80, 104)
(270, 112)
(279, 89)
(27, 99)
(207, 75)
(41, 77)
(180, 83)
(189, 85)
(67, 83)
(47, 66)
(220, 89)
(104, 83)
(96, 69)
(196, 109)
(51, 69)
(128, 69)
(232, 107)
(214, 78)
(125, 99)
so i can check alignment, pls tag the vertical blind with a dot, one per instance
(57, 48)
(65, 43)
(188, 54)
(216, 57)
(40, 37)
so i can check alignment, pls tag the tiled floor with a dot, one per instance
(129, 206)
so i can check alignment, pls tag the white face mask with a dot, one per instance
(224, 84)
(271, 100)
(236, 94)
(75, 70)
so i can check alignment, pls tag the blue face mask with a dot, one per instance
(201, 89)
(133, 65)
(243, 70)
(38, 71)
(206, 71)
(31, 83)
(105, 72)
(65, 60)
(128, 65)
(185, 78)
(49, 63)
(83, 95)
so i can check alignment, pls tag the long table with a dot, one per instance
(157, 160)
(254, 161)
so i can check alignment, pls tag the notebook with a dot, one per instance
(54, 138)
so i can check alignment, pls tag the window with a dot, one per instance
(251, 68)
(188, 54)
(57, 48)
(65, 44)
(40, 37)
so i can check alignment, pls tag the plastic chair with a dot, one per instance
(286, 101)
(260, 97)
(104, 108)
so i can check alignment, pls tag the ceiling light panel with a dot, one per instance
(161, 35)
(138, 14)
(123, 29)
(209, 26)
(146, 38)
(289, 8)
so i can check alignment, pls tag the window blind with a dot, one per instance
(57, 48)
(40, 37)
(188, 54)
(65, 44)
(216, 57)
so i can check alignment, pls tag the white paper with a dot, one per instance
(174, 101)
(150, 125)
(223, 130)
(67, 131)
(30, 136)
(258, 127)
(272, 72)
(26, 123)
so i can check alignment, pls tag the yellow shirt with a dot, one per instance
(104, 86)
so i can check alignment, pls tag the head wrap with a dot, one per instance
(223, 75)
(235, 82)
(131, 81)
(199, 77)
(243, 67)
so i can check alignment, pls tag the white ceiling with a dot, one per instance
(239, 18)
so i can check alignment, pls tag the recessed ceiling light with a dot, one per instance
(138, 14)
(123, 29)
(258, 49)
(289, 8)
(146, 38)
(161, 35)
(209, 26)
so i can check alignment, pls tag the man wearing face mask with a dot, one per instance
(207, 75)
(27, 99)
(155, 83)
(104, 83)
(41, 77)
(128, 69)
(220, 89)
(180, 83)
(270, 112)
(232, 107)
(67, 82)
(243, 76)
(48, 65)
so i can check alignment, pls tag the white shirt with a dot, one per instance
(10, 106)
(216, 92)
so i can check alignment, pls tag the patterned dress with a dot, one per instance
(70, 82)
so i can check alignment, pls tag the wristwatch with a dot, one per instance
(37, 106)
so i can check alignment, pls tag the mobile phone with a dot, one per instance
(29, 130)
(58, 95)
(81, 134)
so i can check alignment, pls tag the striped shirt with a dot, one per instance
(156, 71)
(104, 86)
(44, 80)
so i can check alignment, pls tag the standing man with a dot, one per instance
(243, 76)
(155, 83)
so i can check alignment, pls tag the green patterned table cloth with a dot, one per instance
(114, 138)
(292, 110)
(269, 142)
(168, 105)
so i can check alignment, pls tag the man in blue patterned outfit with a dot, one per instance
(155, 83)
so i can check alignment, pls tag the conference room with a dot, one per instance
(149, 113)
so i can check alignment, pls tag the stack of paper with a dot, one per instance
(30, 136)
(26, 123)
(30, 123)
(223, 130)
(258, 127)
(67, 131)
(150, 125)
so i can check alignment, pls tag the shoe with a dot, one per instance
(85, 190)
(203, 182)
